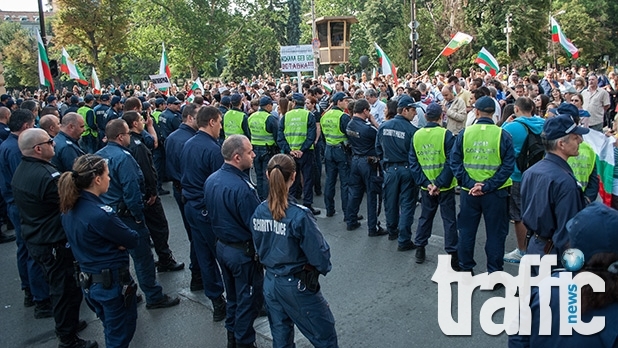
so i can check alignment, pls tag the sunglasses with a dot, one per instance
(50, 142)
(575, 101)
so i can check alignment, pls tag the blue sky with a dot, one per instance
(21, 5)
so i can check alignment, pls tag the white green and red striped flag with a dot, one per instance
(558, 36)
(45, 77)
(460, 39)
(388, 68)
(197, 84)
(164, 67)
(327, 88)
(68, 67)
(487, 62)
(95, 84)
(604, 148)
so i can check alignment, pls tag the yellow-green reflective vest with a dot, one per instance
(87, 130)
(583, 164)
(296, 128)
(257, 126)
(232, 122)
(330, 127)
(429, 148)
(481, 148)
(155, 116)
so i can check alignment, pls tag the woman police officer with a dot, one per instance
(294, 253)
(99, 241)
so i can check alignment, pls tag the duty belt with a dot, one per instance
(121, 275)
(241, 245)
(395, 164)
(542, 239)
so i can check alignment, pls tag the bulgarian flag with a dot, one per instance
(94, 82)
(604, 148)
(460, 39)
(327, 88)
(558, 36)
(197, 84)
(45, 77)
(68, 67)
(164, 67)
(487, 62)
(388, 68)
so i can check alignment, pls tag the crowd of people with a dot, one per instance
(100, 162)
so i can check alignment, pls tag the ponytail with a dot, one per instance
(71, 183)
(280, 170)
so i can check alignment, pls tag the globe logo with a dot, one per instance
(573, 260)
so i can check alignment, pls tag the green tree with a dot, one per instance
(293, 25)
(98, 27)
(20, 56)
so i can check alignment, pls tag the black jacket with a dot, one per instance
(143, 157)
(35, 188)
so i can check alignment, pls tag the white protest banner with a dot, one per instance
(160, 81)
(297, 58)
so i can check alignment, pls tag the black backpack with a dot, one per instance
(532, 150)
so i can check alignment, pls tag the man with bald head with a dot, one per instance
(67, 148)
(42, 231)
(5, 114)
(50, 124)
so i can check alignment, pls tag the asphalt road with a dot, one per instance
(380, 297)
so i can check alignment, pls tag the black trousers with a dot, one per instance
(159, 229)
(66, 296)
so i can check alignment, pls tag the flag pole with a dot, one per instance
(435, 60)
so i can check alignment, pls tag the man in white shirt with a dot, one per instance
(596, 102)
(377, 106)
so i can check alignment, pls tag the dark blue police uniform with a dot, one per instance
(66, 151)
(200, 157)
(125, 195)
(493, 205)
(94, 233)
(100, 113)
(173, 149)
(263, 154)
(445, 200)
(363, 175)
(30, 273)
(231, 199)
(4, 131)
(548, 202)
(400, 191)
(337, 163)
(285, 248)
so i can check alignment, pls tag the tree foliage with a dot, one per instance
(20, 55)
(98, 27)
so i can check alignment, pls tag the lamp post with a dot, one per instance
(508, 31)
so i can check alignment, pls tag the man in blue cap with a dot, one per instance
(263, 127)
(235, 121)
(171, 118)
(115, 109)
(73, 105)
(482, 160)
(336, 155)
(296, 136)
(429, 163)
(100, 113)
(550, 194)
(89, 141)
(400, 191)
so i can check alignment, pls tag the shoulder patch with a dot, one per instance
(137, 141)
(301, 207)
(107, 209)
(69, 142)
(127, 152)
(55, 174)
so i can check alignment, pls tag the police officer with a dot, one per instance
(67, 148)
(36, 290)
(42, 231)
(400, 190)
(482, 161)
(584, 164)
(160, 106)
(429, 164)
(126, 197)
(5, 113)
(235, 121)
(153, 208)
(362, 131)
(73, 105)
(173, 149)
(115, 109)
(297, 133)
(294, 253)
(200, 157)
(263, 127)
(336, 154)
(171, 118)
(89, 141)
(100, 113)
(242, 273)
(99, 240)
